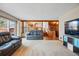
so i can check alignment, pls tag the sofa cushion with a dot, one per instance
(36, 32)
(4, 37)
(14, 41)
(7, 38)
(1, 40)
(39, 32)
(35, 35)
(5, 46)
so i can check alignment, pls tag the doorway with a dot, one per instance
(49, 28)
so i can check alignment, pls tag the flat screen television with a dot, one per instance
(72, 27)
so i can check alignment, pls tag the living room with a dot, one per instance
(33, 29)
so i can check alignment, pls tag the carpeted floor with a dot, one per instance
(43, 48)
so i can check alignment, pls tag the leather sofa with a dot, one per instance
(35, 35)
(8, 44)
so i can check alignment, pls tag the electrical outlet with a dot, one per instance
(60, 37)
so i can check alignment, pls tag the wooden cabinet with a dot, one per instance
(51, 35)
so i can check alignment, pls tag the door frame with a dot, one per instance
(22, 21)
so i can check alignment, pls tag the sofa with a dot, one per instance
(35, 35)
(8, 44)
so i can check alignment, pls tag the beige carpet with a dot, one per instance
(43, 48)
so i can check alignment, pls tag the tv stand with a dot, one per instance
(71, 42)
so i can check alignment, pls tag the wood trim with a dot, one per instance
(22, 27)
(16, 26)
(39, 20)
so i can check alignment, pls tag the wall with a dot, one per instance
(4, 14)
(70, 15)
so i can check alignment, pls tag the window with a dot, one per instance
(7, 25)
(4, 24)
(12, 27)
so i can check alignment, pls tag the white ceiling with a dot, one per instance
(37, 10)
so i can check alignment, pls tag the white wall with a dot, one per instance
(70, 15)
(4, 14)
